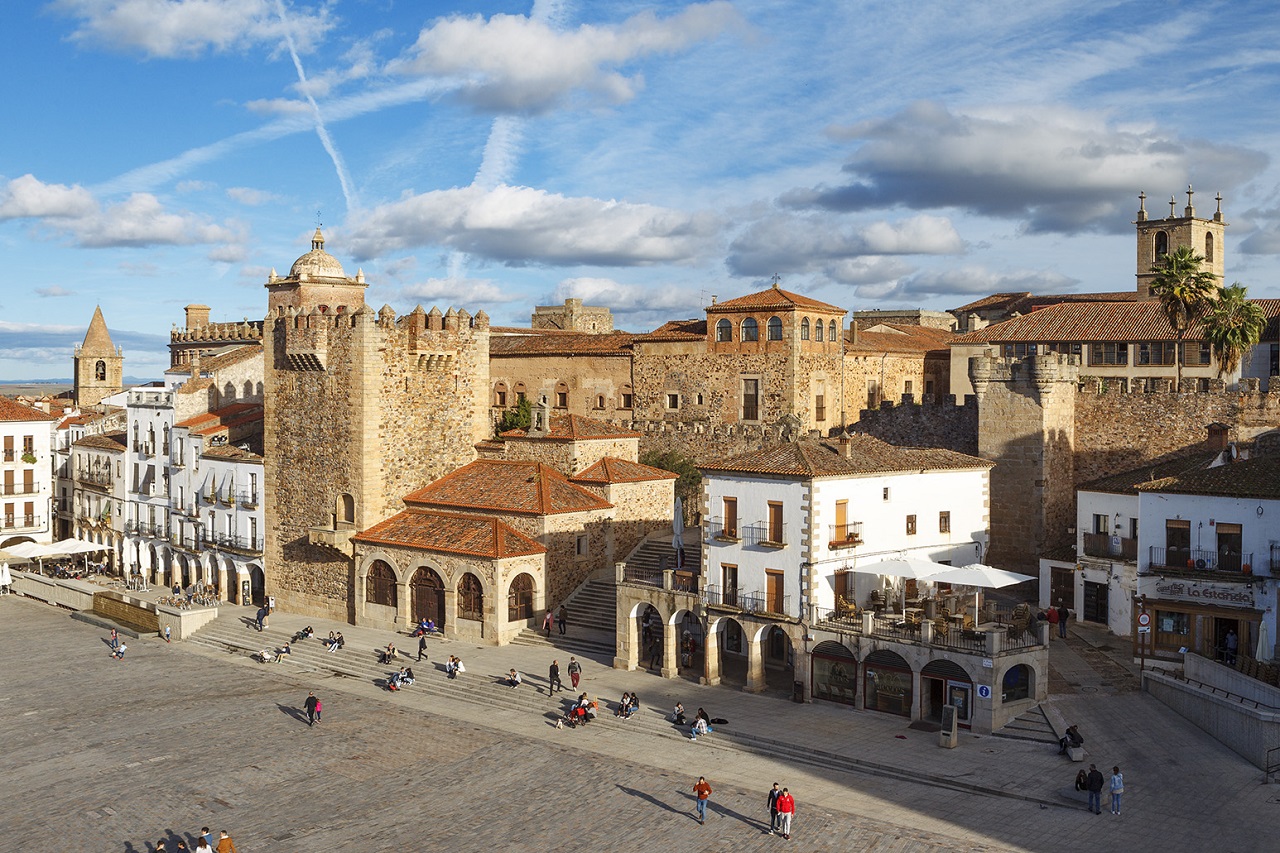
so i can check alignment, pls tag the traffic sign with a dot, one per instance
(1144, 629)
(1144, 619)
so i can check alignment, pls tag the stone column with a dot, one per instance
(450, 626)
(711, 659)
(755, 666)
(670, 649)
(916, 699)
(402, 598)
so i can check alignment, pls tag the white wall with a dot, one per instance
(1259, 522)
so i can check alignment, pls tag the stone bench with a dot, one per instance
(1076, 753)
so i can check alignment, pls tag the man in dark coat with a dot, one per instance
(1095, 790)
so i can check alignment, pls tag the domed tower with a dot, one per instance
(99, 365)
(316, 282)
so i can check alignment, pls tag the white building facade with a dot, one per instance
(26, 466)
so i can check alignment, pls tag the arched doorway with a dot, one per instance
(887, 683)
(257, 586)
(732, 644)
(942, 683)
(471, 599)
(1018, 683)
(648, 636)
(779, 658)
(692, 649)
(380, 585)
(184, 571)
(520, 599)
(426, 596)
(833, 673)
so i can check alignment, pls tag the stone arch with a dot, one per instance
(1161, 244)
(1018, 682)
(833, 673)
(15, 540)
(426, 596)
(500, 394)
(733, 648)
(345, 509)
(520, 598)
(691, 644)
(887, 683)
(100, 371)
(257, 585)
(777, 652)
(470, 598)
(380, 585)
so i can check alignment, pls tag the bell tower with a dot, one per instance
(1159, 237)
(99, 365)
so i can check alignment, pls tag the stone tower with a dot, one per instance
(360, 409)
(1026, 425)
(1158, 237)
(99, 365)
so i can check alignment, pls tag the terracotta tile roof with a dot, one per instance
(995, 300)
(808, 457)
(676, 330)
(525, 488)
(1025, 303)
(235, 453)
(1127, 482)
(1083, 321)
(1258, 477)
(560, 343)
(575, 428)
(613, 470)
(448, 533)
(113, 441)
(772, 299)
(11, 410)
(226, 357)
(900, 337)
(75, 420)
(223, 415)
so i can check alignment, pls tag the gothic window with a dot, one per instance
(775, 328)
(724, 332)
(804, 329)
(470, 598)
(750, 329)
(100, 371)
(380, 586)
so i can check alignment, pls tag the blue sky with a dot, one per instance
(642, 156)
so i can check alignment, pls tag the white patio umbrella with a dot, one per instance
(6, 577)
(916, 568)
(31, 551)
(1264, 644)
(978, 575)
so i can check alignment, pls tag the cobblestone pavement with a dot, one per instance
(108, 755)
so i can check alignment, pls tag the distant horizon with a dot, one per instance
(68, 382)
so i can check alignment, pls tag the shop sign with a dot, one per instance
(1231, 596)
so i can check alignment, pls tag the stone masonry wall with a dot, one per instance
(588, 377)
(929, 424)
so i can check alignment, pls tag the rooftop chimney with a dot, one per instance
(1219, 436)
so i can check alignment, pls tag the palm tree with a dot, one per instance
(1185, 290)
(1233, 326)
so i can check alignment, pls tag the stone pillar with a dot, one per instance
(711, 659)
(402, 598)
(450, 626)
(668, 578)
(670, 647)
(755, 666)
(916, 698)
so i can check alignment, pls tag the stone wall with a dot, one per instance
(927, 424)
(587, 378)
(571, 457)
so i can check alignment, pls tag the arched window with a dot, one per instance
(724, 332)
(520, 598)
(1162, 244)
(1208, 248)
(500, 394)
(804, 329)
(750, 329)
(470, 598)
(831, 331)
(100, 371)
(817, 331)
(522, 393)
(1016, 683)
(775, 329)
(346, 509)
(380, 586)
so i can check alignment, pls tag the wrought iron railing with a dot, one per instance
(762, 533)
(642, 575)
(845, 535)
(1196, 560)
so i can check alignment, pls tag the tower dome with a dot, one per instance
(317, 262)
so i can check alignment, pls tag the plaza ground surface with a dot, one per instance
(113, 755)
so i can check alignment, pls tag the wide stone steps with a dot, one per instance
(1030, 725)
(597, 645)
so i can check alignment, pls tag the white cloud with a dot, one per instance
(228, 253)
(647, 305)
(785, 243)
(188, 28)
(521, 225)
(250, 196)
(1056, 169)
(54, 290)
(510, 62)
(29, 198)
(969, 281)
(193, 186)
(461, 290)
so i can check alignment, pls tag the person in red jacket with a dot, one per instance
(786, 811)
(1052, 615)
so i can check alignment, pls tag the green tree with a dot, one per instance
(1186, 291)
(521, 417)
(1233, 326)
(688, 486)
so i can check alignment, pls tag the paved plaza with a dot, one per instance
(112, 756)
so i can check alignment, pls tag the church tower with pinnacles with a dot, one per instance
(99, 365)
(361, 408)
(1160, 237)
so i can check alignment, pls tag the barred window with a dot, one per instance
(470, 598)
(380, 586)
(520, 598)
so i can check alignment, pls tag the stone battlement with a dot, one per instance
(248, 330)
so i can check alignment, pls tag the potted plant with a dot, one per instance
(29, 458)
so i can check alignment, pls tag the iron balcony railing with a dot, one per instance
(1196, 560)
(240, 543)
(22, 522)
(248, 500)
(94, 478)
(22, 488)
(642, 575)
(763, 534)
(717, 529)
(845, 535)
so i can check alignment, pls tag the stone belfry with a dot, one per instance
(99, 365)
(1160, 237)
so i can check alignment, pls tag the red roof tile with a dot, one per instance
(675, 331)
(612, 470)
(11, 410)
(772, 299)
(1094, 321)
(113, 441)
(1256, 478)
(900, 337)
(809, 457)
(448, 533)
(526, 488)
(575, 428)
(560, 343)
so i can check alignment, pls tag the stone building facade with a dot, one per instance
(98, 365)
(200, 336)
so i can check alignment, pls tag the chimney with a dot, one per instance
(1219, 435)
(845, 443)
(197, 316)
(853, 332)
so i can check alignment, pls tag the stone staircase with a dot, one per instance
(656, 553)
(1029, 725)
(593, 622)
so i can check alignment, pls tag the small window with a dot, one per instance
(600, 401)
(911, 525)
(907, 386)
(750, 399)
(724, 331)
(820, 407)
(775, 328)
(500, 398)
(626, 400)
(673, 401)
(580, 545)
(804, 329)
(562, 399)
(750, 329)
(699, 399)
(944, 522)
(884, 495)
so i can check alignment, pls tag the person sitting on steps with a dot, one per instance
(1070, 740)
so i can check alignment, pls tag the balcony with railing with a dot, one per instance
(720, 532)
(248, 500)
(764, 535)
(1101, 545)
(23, 522)
(997, 636)
(1192, 560)
(237, 542)
(737, 599)
(845, 535)
(142, 528)
(94, 477)
(642, 575)
(20, 489)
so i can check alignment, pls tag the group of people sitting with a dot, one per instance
(400, 679)
(274, 655)
(335, 641)
(701, 721)
(426, 626)
(583, 711)
(1070, 740)
(305, 634)
(453, 666)
(627, 705)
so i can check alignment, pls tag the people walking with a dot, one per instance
(553, 678)
(225, 844)
(774, 793)
(1117, 788)
(115, 638)
(703, 792)
(1232, 644)
(313, 708)
(562, 619)
(575, 671)
(786, 811)
(207, 834)
(168, 629)
(422, 647)
(546, 622)
(1094, 785)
